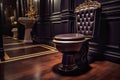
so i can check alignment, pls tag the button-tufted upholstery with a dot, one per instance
(86, 21)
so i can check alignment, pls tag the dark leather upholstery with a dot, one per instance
(86, 21)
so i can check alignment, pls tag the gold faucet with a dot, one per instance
(32, 12)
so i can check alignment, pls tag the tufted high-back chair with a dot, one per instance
(87, 15)
(74, 46)
(86, 22)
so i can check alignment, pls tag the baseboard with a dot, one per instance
(112, 57)
(106, 52)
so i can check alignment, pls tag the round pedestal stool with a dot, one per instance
(69, 45)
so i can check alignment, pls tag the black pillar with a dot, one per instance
(1, 38)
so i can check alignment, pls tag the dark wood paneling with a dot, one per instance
(45, 30)
(60, 27)
(56, 18)
(67, 5)
(64, 5)
(42, 32)
(48, 9)
(56, 5)
(114, 38)
(56, 28)
(111, 11)
(108, 46)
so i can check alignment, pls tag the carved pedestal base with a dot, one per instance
(70, 66)
(74, 48)
(27, 36)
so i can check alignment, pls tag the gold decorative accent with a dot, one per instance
(13, 21)
(87, 4)
(32, 12)
(51, 50)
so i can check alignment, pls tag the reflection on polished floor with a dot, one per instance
(40, 68)
(16, 49)
(26, 63)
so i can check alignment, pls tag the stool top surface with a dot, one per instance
(69, 37)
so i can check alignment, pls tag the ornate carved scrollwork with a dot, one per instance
(32, 12)
(87, 4)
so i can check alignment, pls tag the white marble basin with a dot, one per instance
(28, 23)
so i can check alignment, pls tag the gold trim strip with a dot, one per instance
(48, 47)
(23, 47)
(13, 44)
(29, 56)
(6, 56)
(51, 50)
(42, 45)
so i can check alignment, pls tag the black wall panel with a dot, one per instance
(56, 6)
(1, 38)
(56, 18)
(64, 6)
(46, 7)
(61, 27)
(109, 42)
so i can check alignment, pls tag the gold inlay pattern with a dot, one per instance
(87, 4)
(51, 50)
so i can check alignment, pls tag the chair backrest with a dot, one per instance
(86, 17)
